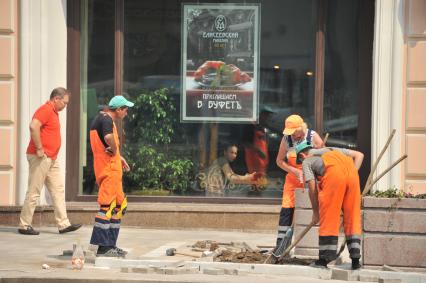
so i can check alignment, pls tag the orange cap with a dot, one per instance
(292, 123)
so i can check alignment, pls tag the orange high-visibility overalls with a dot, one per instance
(291, 183)
(254, 162)
(111, 198)
(339, 190)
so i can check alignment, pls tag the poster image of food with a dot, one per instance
(220, 59)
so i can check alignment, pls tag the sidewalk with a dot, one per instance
(27, 254)
(23, 256)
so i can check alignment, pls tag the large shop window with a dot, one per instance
(96, 76)
(180, 159)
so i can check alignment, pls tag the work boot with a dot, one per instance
(320, 263)
(109, 252)
(28, 231)
(121, 251)
(355, 264)
(70, 228)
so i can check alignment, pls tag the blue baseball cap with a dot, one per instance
(301, 146)
(119, 101)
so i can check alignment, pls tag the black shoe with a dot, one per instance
(28, 231)
(320, 263)
(70, 228)
(355, 264)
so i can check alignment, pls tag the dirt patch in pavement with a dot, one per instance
(239, 252)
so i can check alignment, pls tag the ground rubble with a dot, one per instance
(239, 252)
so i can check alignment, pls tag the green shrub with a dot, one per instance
(394, 192)
(150, 130)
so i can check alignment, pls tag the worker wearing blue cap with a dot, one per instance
(108, 166)
(332, 177)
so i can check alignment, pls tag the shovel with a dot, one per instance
(282, 245)
(285, 242)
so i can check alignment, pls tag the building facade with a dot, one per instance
(354, 69)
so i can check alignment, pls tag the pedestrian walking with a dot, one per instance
(42, 153)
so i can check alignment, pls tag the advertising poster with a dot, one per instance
(220, 59)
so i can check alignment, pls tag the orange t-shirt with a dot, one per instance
(50, 131)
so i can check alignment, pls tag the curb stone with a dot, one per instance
(291, 270)
(213, 271)
(368, 278)
(345, 275)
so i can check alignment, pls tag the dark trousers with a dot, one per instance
(286, 219)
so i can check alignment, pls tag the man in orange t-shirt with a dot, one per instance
(43, 166)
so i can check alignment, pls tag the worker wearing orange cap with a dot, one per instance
(108, 166)
(295, 132)
(335, 170)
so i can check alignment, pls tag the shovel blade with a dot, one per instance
(284, 244)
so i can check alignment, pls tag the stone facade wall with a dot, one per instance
(9, 99)
(394, 232)
(414, 91)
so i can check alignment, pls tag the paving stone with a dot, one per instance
(242, 272)
(90, 259)
(67, 252)
(93, 248)
(170, 271)
(192, 270)
(213, 271)
(381, 280)
(89, 253)
(345, 275)
(401, 250)
(176, 271)
(230, 271)
(390, 268)
(368, 277)
(205, 259)
(235, 272)
(179, 263)
(140, 270)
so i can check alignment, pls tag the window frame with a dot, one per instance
(73, 110)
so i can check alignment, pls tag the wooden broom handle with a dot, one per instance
(376, 163)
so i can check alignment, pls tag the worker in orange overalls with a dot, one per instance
(295, 132)
(332, 177)
(256, 148)
(108, 166)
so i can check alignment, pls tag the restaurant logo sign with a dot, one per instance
(220, 23)
(220, 59)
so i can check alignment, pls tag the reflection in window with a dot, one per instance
(166, 153)
(341, 73)
(96, 76)
(169, 157)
